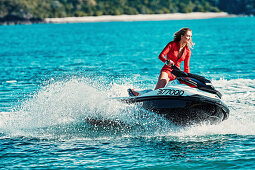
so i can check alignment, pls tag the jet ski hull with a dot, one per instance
(183, 110)
(189, 99)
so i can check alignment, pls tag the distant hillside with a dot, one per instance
(16, 11)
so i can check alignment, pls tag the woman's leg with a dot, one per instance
(163, 79)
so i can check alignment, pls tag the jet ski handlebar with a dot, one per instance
(205, 86)
(178, 73)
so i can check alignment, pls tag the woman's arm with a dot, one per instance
(186, 62)
(164, 53)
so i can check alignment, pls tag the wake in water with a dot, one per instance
(75, 108)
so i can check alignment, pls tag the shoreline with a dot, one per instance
(141, 17)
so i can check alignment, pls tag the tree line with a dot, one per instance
(38, 10)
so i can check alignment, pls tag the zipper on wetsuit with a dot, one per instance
(180, 55)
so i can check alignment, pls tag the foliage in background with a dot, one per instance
(37, 10)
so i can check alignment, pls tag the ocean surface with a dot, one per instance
(54, 77)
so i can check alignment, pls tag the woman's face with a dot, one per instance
(187, 37)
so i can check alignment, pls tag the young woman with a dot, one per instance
(175, 51)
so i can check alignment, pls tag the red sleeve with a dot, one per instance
(186, 62)
(164, 52)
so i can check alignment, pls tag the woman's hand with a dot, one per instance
(169, 62)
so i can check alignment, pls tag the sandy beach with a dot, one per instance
(140, 17)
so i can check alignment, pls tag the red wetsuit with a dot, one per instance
(171, 52)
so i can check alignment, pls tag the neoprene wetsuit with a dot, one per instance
(171, 52)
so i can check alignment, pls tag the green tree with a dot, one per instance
(11, 10)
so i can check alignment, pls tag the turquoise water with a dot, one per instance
(56, 76)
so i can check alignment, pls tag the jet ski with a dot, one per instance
(189, 99)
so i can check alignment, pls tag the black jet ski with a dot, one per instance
(189, 99)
